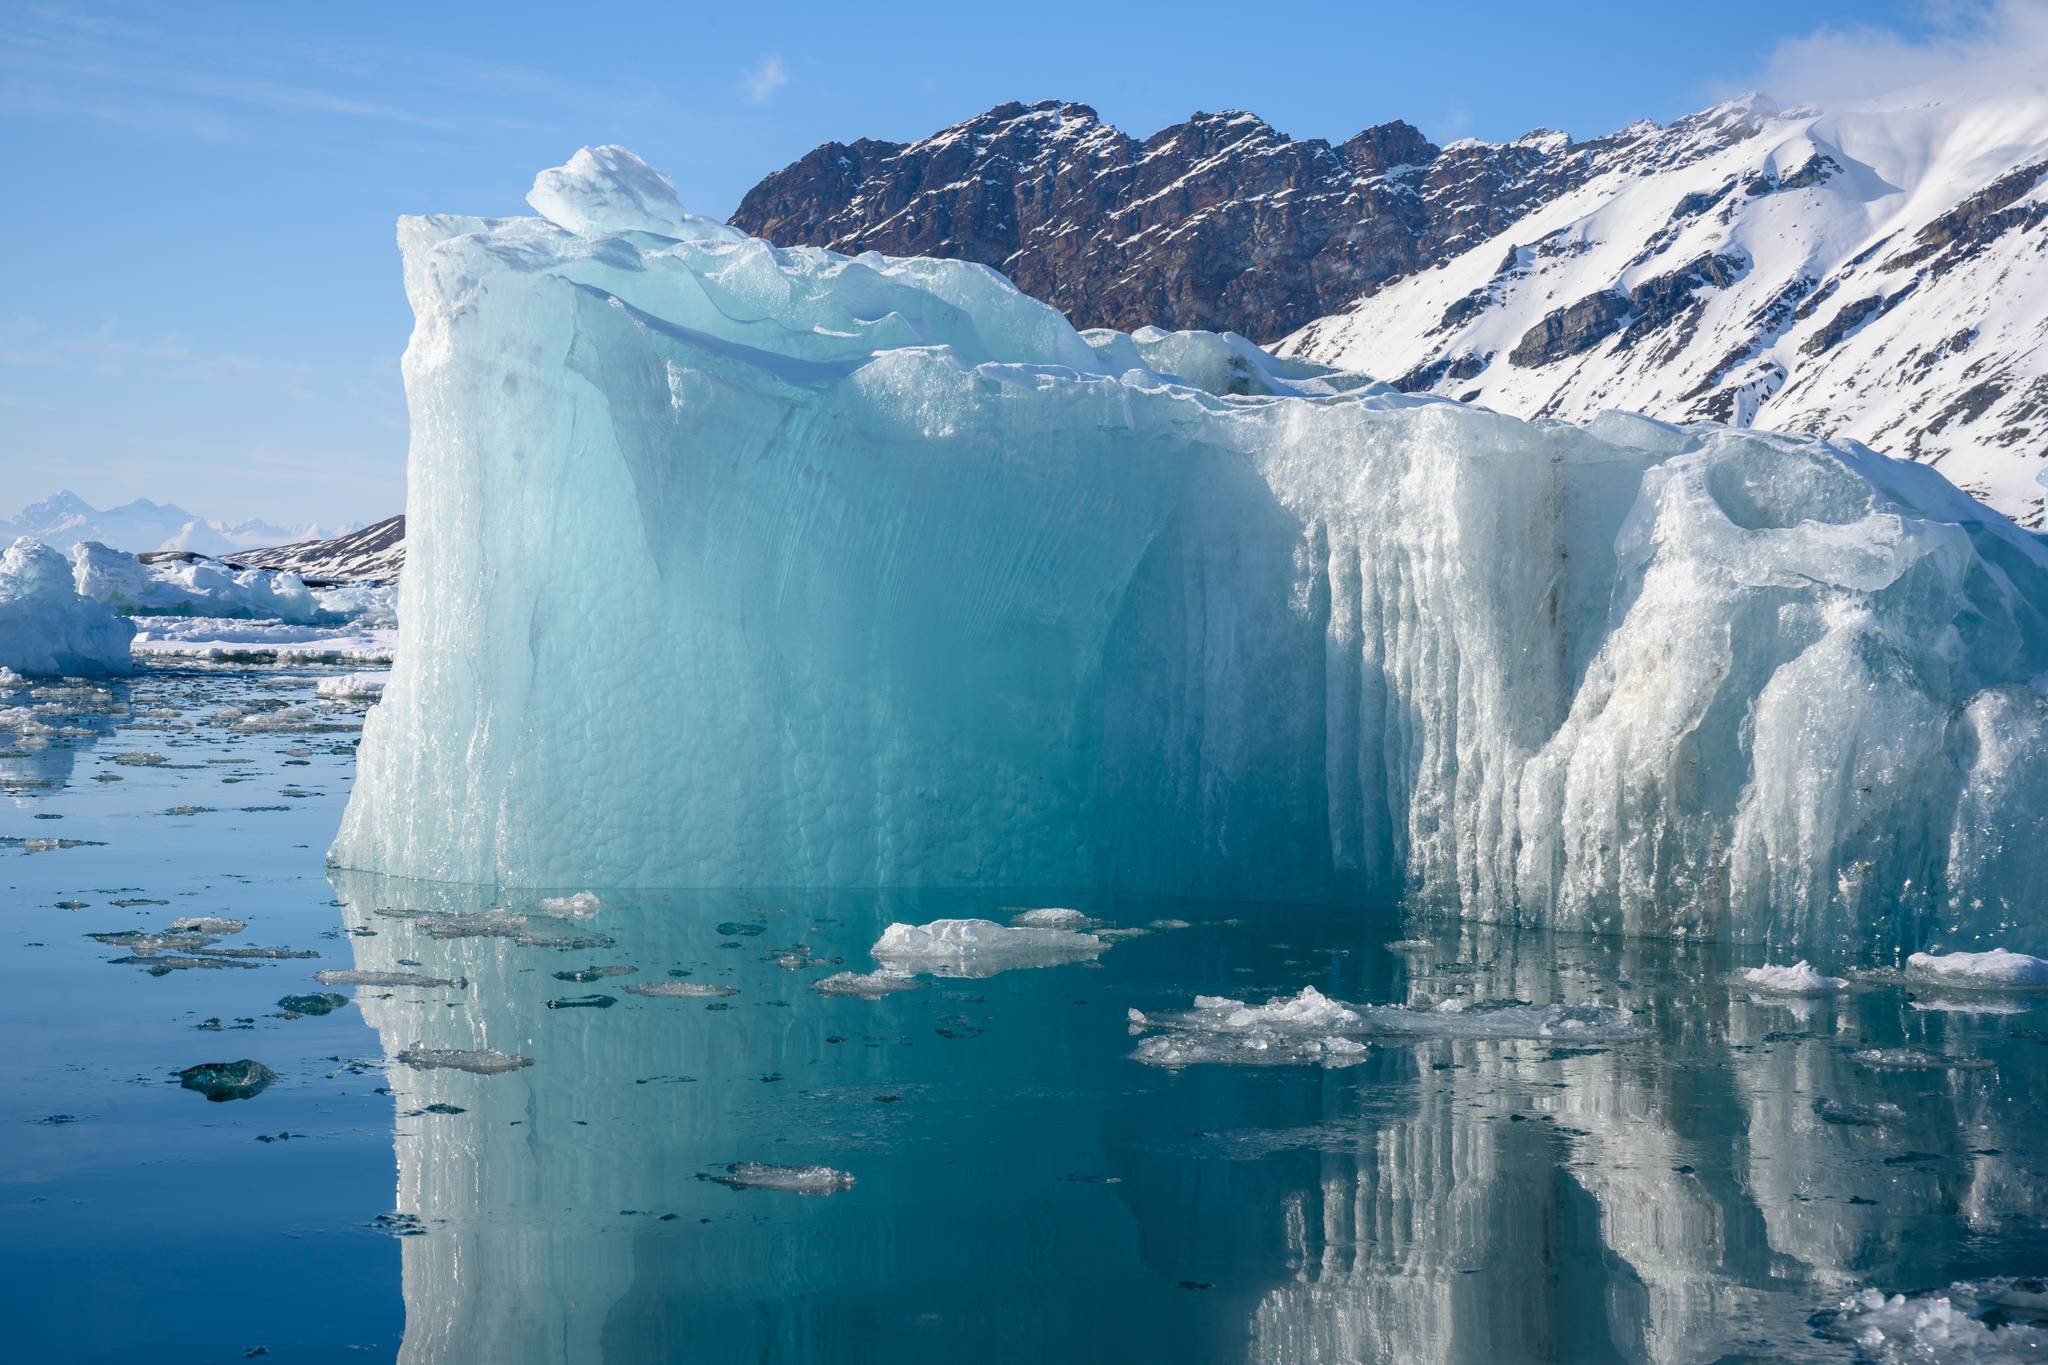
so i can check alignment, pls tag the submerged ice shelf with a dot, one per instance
(742, 566)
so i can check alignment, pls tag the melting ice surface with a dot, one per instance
(1697, 1170)
(733, 565)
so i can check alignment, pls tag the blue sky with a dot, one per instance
(203, 301)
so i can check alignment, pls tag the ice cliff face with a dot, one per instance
(737, 565)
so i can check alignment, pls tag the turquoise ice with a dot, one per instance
(732, 565)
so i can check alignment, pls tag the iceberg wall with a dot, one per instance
(735, 565)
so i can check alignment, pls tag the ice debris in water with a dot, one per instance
(582, 905)
(318, 1003)
(979, 947)
(483, 1061)
(760, 1175)
(210, 588)
(866, 985)
(1801, 978)
(227, 1080)
(1051, 917)
(46, 627)
(1849, 1114)
(372, 978)
(2002, 1321)
(524, 930)
(1298, 1030)
(1994, 970)
(1502, 1020)
(680, 990)
(1854, 613)
(352, 686)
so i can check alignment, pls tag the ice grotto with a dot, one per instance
(733, 565)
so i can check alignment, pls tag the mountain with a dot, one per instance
(1879, 273)
(1219, 223)
(374, 554)
(64, 519)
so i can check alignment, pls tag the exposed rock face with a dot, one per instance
(1219, 223)
(374, 554)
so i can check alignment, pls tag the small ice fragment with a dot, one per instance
(1994, 970)
(483, 1062)
(866, 985)
(227, 1080)
(680, 990)
(582, 905)
(1850, 1115)
(586, 975)
(759, 1175)
(1798, 979)
(1051, 917)
(1169, 924)
(979, 947)
(363, 978)
(136, 758)
(1989, 1321)
(207, 924)
(1410, 945)
(352, 686)
(583, 1002)
(1137, 1018)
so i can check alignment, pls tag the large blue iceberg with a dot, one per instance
(733, 565)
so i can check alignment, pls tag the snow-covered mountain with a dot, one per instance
(374, 554)
(1878, 273)
(64, 519)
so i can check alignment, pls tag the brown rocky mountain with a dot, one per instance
(1219, 223)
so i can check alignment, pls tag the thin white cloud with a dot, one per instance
(764, 78)
(1972, 48)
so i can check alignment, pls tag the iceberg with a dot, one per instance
(736, 565)
(198, 586)
(46, 627)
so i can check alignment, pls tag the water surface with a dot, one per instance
(1023, 1187)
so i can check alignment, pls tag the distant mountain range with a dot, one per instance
(1877, 273)
(373, 554)
(61, 521)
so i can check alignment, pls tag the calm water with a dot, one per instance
(1025, 1188)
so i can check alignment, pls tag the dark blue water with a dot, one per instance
(1024, 1189)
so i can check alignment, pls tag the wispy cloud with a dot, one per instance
(228, 88)
(1969, 47)
(763, 79)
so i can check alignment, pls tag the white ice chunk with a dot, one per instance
(1972, 1322)
(46, 627)
(979, 947)
(582, 905)
(1305, 1029)
(1994, 970)
(1801, 978)
(608, 189)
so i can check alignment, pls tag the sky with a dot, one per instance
(202, 299)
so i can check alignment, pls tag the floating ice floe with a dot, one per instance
(215, 640)
(353, 686)
(483, 1061)
(1505, 1020)
(681, 990)
(525, 930)
(217, 1081)
(1298, 1030)
(1801, 978)
(582, 905)
(866, 985)
(46, 627)
(979, 947)
(1994, 970)
(370, 978)
(760, 1175)
(207, 924)
(1999, 1321)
